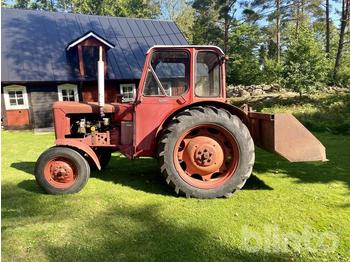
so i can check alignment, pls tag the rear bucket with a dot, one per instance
(285, 135)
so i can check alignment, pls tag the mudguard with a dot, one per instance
(80, 146)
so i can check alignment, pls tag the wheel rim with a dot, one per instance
(206, 156)
(60, 173)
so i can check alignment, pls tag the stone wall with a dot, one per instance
(253, 90)
(256, 90)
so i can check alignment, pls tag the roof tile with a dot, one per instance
(33, 47)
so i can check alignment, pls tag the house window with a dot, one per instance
(128, 92)
(68, 92)
(15, 97)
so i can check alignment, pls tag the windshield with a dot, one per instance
(168, 74)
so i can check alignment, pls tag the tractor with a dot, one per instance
(205, 145)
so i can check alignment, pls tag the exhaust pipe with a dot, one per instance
(101, 82)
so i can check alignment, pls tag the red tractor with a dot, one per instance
(205, 146)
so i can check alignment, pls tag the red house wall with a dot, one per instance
(89, 92)
(17, 119)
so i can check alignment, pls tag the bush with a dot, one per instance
(305, 64)
(343, 75)
(272, 71)
(243, 66)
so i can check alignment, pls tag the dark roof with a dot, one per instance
(34, 43)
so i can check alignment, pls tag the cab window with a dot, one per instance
(168, 74)
(207, 74)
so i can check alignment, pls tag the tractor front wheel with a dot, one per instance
(62, 170)
(206, 152)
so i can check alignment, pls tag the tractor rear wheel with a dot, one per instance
(206, 152)
(62, 170)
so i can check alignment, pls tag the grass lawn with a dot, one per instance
(286, 211)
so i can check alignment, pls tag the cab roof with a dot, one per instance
(188, 46)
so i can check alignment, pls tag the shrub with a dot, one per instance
(305, 64)
(272, 71)
(343, 75)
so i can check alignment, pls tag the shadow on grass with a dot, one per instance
(140, 174)
(337, 169)
(254, 183)
(25, 166)
(31, 186)
(143, 174)
(155, 239)
(118, 233)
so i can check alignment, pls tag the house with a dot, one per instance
(49, 56)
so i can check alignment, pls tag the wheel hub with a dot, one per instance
(61, 171)
(205, 155)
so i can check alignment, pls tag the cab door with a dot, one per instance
(164, 88)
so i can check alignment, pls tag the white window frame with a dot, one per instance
(68, 87)
(15, 88)
(124, 99)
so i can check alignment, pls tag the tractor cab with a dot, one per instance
(173, 78)
(173, 71)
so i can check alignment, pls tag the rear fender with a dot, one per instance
(81, 147)
(239, 112)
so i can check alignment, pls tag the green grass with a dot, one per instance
(285, 212)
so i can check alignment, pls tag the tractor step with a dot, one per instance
(283, 134)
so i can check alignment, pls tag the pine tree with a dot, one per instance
(305, 66)
(182, 13)
(344, 21)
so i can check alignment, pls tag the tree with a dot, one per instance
(226, 10)
(139, 8)
(21, 4)
(49, 5)
(206, 30)
(305, 66)
(343, 74)
(214, 21)
(272, 10)
(181, 13)
(327, 28)
(129, 8)
(344, 21)
(244, 66)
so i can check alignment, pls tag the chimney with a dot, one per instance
(101, 82)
